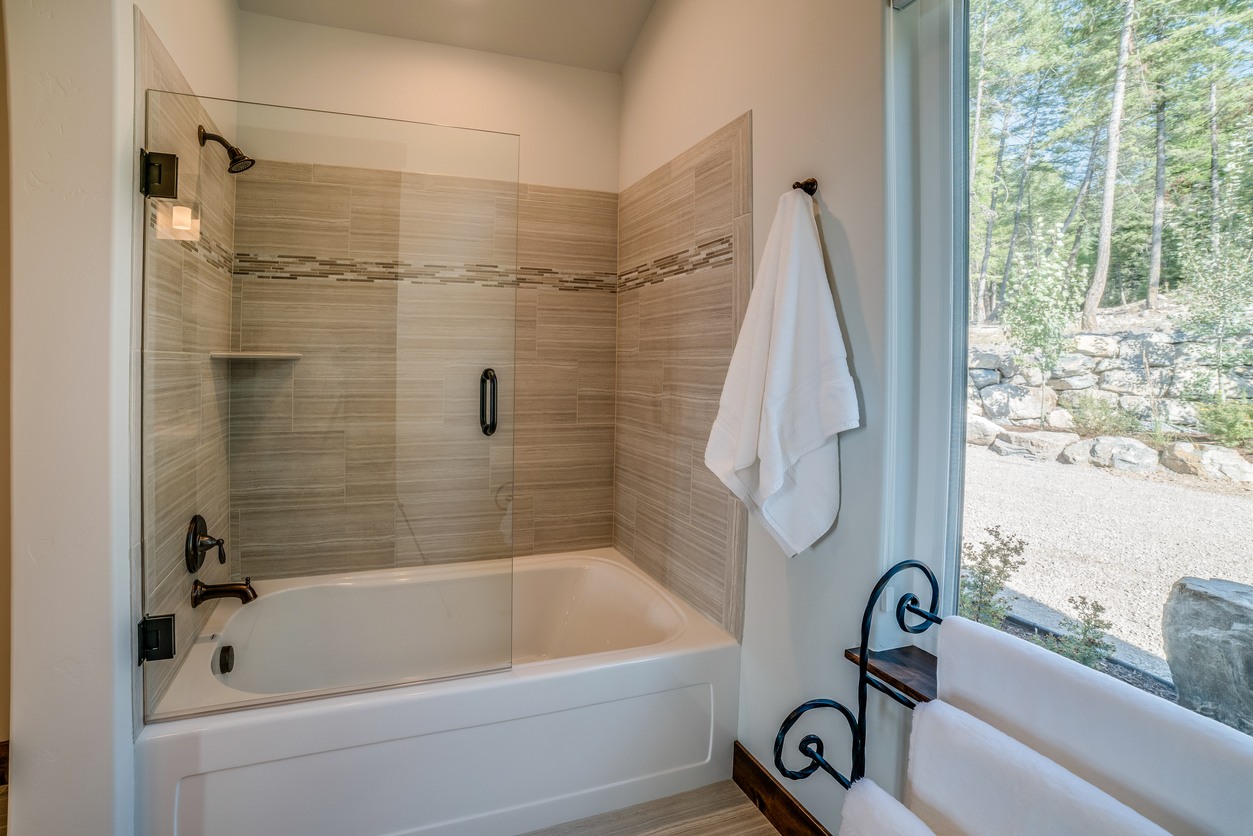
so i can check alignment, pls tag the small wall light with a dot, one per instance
(179, 221)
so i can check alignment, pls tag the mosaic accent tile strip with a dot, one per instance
(701, 257)
(296, 267)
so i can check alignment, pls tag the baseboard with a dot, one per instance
(779, 806)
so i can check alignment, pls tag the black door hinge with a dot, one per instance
(158, 174)
(156, 638)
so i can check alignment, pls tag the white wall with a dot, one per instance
(71, 87)
(567, 117)
(811, 71)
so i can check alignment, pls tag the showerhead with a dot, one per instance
(239, 161)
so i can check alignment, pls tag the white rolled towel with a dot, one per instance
(1187, 773)
(869, 811)
(965, 777)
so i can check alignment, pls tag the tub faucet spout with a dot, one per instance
(201, 591)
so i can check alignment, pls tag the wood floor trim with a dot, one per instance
(777, 804)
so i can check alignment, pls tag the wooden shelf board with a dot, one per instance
(910, 670)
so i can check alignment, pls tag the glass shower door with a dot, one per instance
(327, 382)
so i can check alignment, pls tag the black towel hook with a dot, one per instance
(807, 186)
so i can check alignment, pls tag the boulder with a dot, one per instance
(1080, 381)
(1136, 381)
(1030, 376)
(1179, 413)
(974, 407)
(1059, 419)
(1158, 349)
(1069, 365)
(1226, 464)
(980, 431)
(984, 377)
(982, 358)
(1007, 402)
(1183, 457)
(1112, 451)
(1097, 345)
(1072, 397)
(1038, 446)
(1207, 626)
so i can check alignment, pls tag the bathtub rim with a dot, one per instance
(695, 630)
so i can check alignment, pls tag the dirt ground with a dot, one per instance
(1119, 538)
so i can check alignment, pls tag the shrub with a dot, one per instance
(1229, 422)
(984, 574)
(1083, 638)
(1094, 416)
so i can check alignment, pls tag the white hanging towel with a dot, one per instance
(788, 391)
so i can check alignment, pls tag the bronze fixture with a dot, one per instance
(808, 186)
(198, 542)
(239, 161)
(201, 591)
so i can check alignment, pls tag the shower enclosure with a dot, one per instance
(327, 375)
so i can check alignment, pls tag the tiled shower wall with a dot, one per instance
(684, 274)
(186, 314)
(398, 291)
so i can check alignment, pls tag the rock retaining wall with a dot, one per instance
(1154, 376)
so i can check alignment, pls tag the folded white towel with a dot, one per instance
(788, 391)
(1186, 772)
(965, 777)
(869, 811)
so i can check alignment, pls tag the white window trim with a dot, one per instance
(925, 363)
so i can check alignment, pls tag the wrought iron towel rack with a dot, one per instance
(811, 745)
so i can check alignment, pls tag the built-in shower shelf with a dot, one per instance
(254, 355)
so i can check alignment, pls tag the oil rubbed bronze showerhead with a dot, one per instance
(239, 160)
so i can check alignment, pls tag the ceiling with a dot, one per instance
(593, 34)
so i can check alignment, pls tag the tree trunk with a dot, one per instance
(1079, 195)
(980, 300)
(1159, 204)
(1213, 165)
(1022, 188)
(1096, 290)
(978, 114)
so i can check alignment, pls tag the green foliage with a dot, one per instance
(1049, 65)
(1094, 416)
(1229, 422)
(1083, 638)
(1041, 299)
(985, 572)
(1218, 268)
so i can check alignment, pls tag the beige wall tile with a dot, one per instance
(282, 216)
(286, 470)
(312, 316)
(573, 518)
(336, 388)
(575, 324)
(676, 325)
(568, 229)
(287, 541)
(261, 395)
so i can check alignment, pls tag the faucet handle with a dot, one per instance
(198, 542)
(207, 542)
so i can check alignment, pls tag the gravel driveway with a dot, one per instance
(1118, 538)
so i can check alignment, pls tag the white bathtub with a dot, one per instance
(619, 693)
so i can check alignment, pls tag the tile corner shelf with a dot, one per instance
(254, 355)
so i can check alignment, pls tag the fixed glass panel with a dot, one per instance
(1108, 512)
(327, 389)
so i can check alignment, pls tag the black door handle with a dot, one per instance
(487, 401)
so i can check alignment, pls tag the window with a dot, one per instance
(1108, 466)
